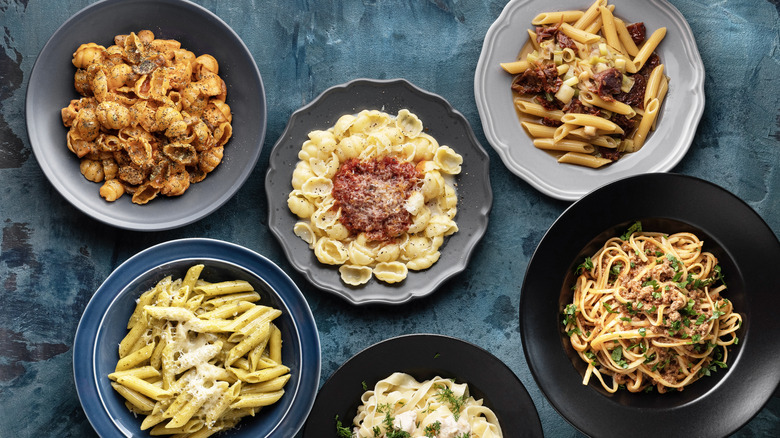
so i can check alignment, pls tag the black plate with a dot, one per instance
(425, 356)
(440, 120)
(746, 248)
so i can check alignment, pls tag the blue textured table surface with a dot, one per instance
(54, 257)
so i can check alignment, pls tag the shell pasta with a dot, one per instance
(648, 311)
(374, 196)
(152, 118)
(438, 408)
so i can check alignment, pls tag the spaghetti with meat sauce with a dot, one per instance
(648, 311)
(372, 194)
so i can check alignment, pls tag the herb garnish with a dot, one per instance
(586, 265)
(636, 226)
(568, 314)
(456, 403)
(432, 430)
(617, 356)
(341, 431)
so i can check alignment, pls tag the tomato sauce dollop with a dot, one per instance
(372, 194)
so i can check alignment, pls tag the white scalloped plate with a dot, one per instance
(680, 113)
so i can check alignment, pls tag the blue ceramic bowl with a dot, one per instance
(103, 325)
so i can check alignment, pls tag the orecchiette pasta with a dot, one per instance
(152, 119)
(375, 195)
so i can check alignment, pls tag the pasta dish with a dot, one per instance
(648, 311)
(152, 118)
(400, 406)
(588, 86)
(199, 356)
(374, 196)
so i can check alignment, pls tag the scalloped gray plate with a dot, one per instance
(680, 113)
(51, 88)
(448, 126)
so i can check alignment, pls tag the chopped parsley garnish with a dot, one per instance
(341, 431)
(660, 365)
(674, 261)
(714, 365)
(675, 327)
(689, 308)
(653, 283)
(685, 283)
(586, 265)
(615, 271)
(592, 357)
(568, 314)
(609, 308)
(642, 332)
(617, 356)
(363, 384)
(636, 226)
(390, 430)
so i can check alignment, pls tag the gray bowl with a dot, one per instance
(442, 121)
(200, 31)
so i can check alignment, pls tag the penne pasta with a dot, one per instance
(578, 34)
(187, 375)
(590, 14)
(578, 80)
(515, 67)
(648, 47)
(662, 90)
(535, 109)
(591, 120)
(583, 160)
(614, 106)
(557, 17)
(651, 112)
(608, 29)
(538, 130)
(564, 145)
(625, 38)
(653, 83)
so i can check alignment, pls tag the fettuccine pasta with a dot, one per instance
(440, 408)
(647, 310)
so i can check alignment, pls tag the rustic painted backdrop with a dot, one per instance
(54, 257)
